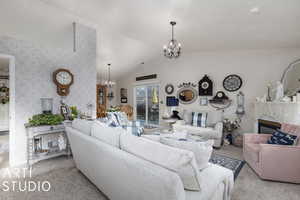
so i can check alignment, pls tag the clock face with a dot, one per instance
(232, 83)
(220, 94)
(169, 89)
(205, 85)
(64, 78)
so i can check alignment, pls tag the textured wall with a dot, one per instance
(33, 79)
(256, 67)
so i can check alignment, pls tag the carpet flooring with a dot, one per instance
(67, 183)
(4, 154)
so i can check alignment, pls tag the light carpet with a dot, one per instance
(68, 183)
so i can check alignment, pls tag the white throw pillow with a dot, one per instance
(83, 125)
(187, 117)
(109, 135)
(201, 150)
(180, 161)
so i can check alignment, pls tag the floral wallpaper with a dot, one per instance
(34, 66)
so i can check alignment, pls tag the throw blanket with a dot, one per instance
(210, 178)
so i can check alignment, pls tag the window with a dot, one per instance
(147, 104)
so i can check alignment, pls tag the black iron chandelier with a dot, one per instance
(173, 49)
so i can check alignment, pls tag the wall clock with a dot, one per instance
(205, 86)
(232, 83)
(169, 89)
(63, 79)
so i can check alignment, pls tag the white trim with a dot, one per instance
(12, 112)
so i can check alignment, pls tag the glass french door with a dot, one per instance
(147, 104)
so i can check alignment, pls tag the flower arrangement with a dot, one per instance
(229, 127)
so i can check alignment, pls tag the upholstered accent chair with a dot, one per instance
(273, 162)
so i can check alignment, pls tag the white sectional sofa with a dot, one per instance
(100, 153)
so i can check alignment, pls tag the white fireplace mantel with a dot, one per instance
(278, 112)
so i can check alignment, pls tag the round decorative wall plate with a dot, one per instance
(169, 89)
(232, 83)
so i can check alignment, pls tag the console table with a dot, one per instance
(45, 142)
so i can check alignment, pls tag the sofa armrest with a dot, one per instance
(256, 138)
(180, 122)
(219, 128)
(280, 161)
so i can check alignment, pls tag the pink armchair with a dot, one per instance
(273, 162)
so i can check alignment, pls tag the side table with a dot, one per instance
(45, 142)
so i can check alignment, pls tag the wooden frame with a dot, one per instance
(101, 106)
(62, 90)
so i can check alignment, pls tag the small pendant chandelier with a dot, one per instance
(173, 49)
(109, 84)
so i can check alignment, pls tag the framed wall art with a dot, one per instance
(203, 101)
(123, 94)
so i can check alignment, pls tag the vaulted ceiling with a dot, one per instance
(134, 31)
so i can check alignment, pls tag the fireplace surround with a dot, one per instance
(267, 127)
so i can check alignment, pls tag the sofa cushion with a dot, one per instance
(213, 117)
(282, 138)
(82, 125)
(109, 135)
(199, 119)
(181, 161)
(201, 149)
(253, 151)
(207, 133)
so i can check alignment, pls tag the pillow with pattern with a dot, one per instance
(282, 138)
(199, 119)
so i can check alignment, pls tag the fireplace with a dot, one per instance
(267, 127)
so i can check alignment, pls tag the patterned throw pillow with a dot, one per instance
(282, 138)
(199, 119)
(113, 119)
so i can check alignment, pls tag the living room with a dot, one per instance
(149, 100)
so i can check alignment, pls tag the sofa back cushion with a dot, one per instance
(109, 135)
(83, 125)
(201, 149)
(213, 117)
(293, 130)
(177, 160)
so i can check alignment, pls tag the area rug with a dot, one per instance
(230, 163)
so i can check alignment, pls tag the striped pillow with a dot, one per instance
(199, 119)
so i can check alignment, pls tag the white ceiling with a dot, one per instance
(134, 31)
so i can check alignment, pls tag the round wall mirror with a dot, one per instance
(187, 95)
(291, 78)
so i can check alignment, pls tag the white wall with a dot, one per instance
(34, 65)
(256, 67)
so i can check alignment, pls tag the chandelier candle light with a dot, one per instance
(173, 49)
